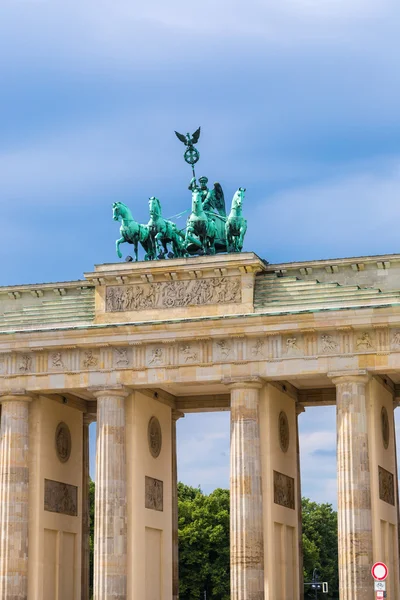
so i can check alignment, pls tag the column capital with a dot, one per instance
(299, 408)
(177, 414)
(119, 391)
(357, 376)
(18, 396)
(243, 382)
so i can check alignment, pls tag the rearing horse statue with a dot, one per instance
(236, 225)
(132, 232)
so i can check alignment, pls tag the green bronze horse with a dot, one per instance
(164, 232)
(201, 229)
(236, 224)
(132, 232)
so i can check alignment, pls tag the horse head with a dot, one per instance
(155, 207)
(118, 210)
(238, 198)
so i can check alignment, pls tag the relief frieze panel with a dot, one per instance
(60, 498)
(284, 490)
(386, 486)
(173, 294)
(154, 494)
(169, 353)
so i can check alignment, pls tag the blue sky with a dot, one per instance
(298, 102)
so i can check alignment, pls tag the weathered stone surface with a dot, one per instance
(60, 498)
(110, 574)
(354, 489)
(247, 544)
(14, 497)
(284, 490)
(173, 294)
(154, 494)
(386, 486)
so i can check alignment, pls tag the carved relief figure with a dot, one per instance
(224, 348)
(154, 494)
(121, 356)
(189, 354)
(156, 356)
(291, 345)
(284, 490)
(63, 442)
(90, 360)
(56, 360)
(386, 486)
(396, 339)
(173, 294)
(257, 349)
(364, 342)
(328, 343)
(25, 363)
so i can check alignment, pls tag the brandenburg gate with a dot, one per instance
(135, 346)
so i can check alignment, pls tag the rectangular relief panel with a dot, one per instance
(153, 563)
(50, 565)
(154, 494)
(386, 486)
(60, 497)
(172, 294)
(67, 567)
(284, 490)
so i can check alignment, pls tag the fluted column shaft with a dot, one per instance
(87, 419)
(110, 537)
(14, 500)
(247, 545)
(175, 541)
(354, 489)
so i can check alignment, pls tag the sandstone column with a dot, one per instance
(247, 545)
(14, 500)
(110, 537)
(87, 419)
(175, 547)
(354, 489)
(299, 409)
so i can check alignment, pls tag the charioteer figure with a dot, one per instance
(213, 200)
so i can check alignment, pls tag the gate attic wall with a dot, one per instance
(134, 342)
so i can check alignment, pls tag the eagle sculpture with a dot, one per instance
(189, 140)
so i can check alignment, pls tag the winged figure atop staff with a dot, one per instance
(189, 140)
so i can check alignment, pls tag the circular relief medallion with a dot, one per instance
(283, 431)
(154, 437)
(385, 427)
(63, 442)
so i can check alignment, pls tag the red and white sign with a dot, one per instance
(380, 595)
(379, 571)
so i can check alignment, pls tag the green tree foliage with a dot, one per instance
(203, 544)
(320, 544)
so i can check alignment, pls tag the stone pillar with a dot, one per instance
(299, 409)
(110, 536)
(247, 544)
(175, 546)
(14, 497)
(87, 419)
(354, 489)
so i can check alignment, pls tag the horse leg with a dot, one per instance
(135, 248)
(117, 245)
(242, 233)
